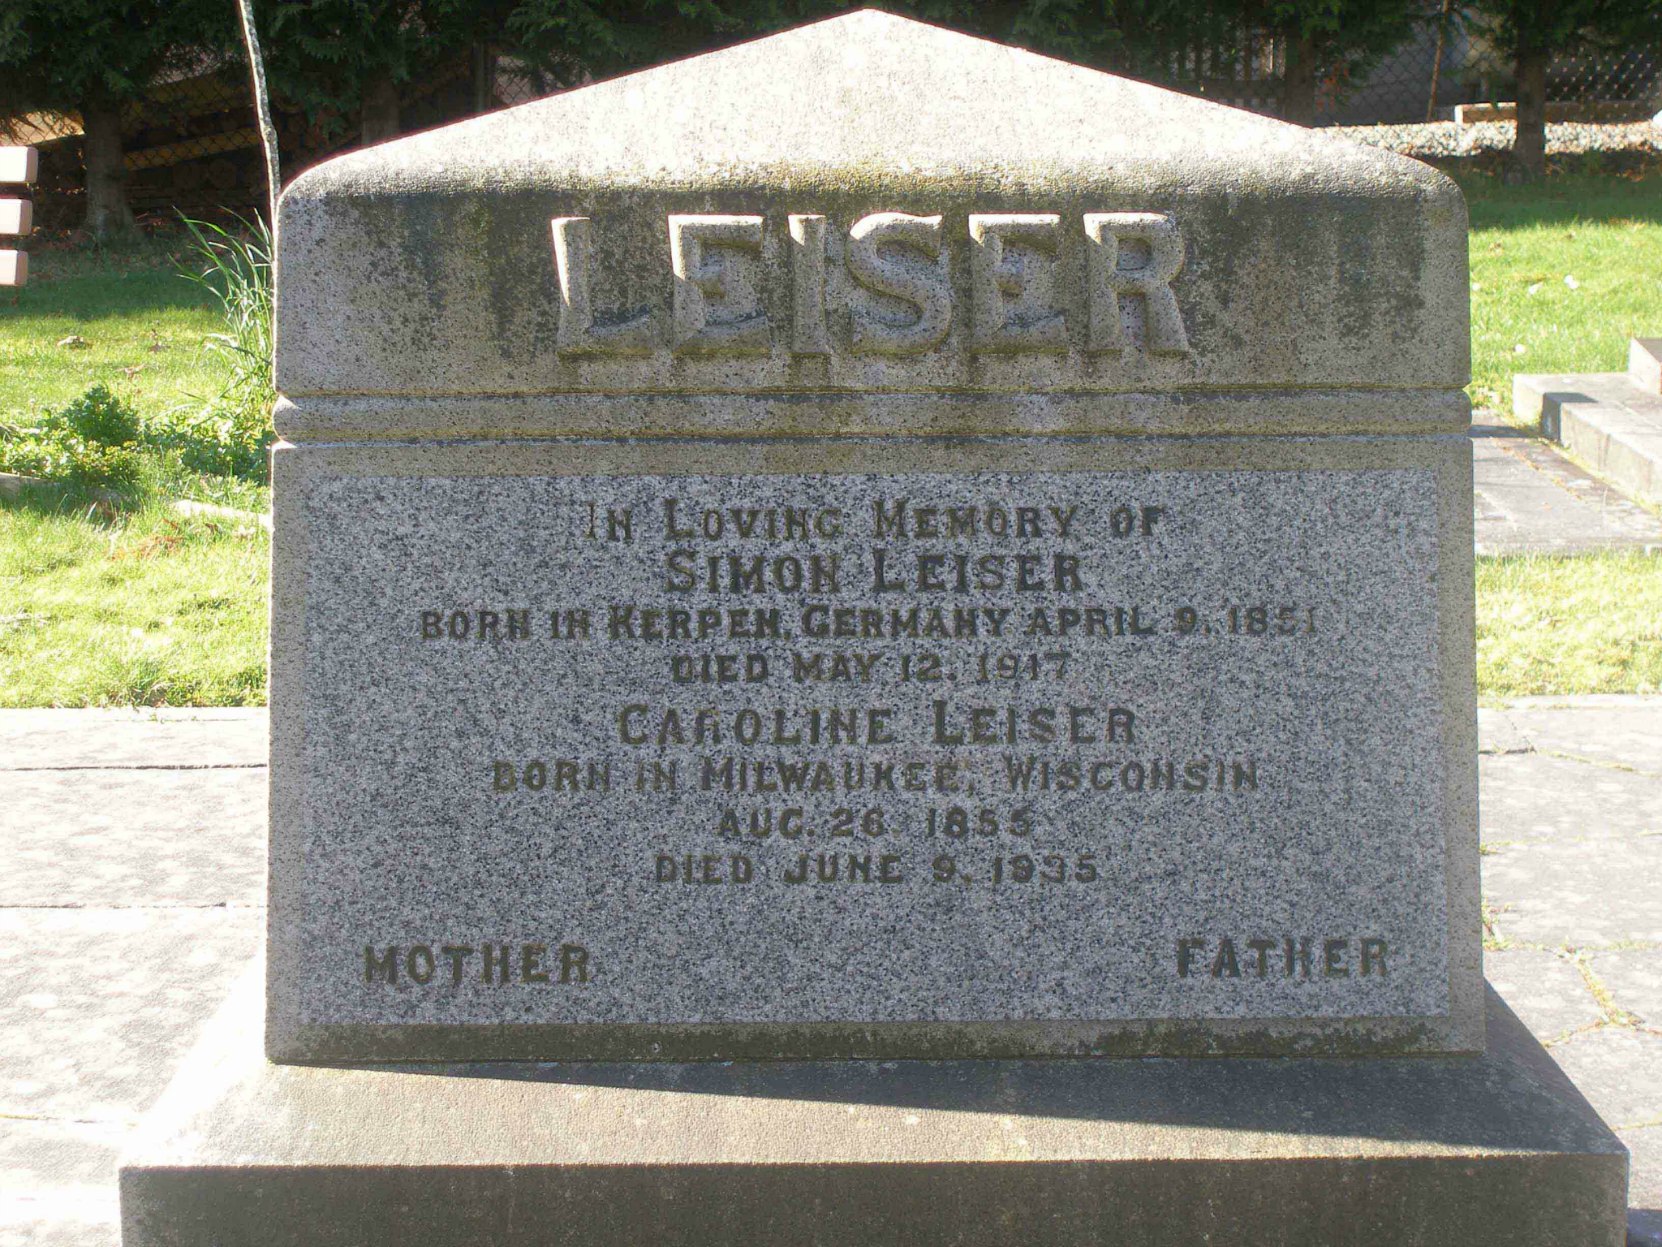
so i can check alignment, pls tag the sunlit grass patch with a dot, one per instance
(100, 607)
(1564, 624)
(1562, 274)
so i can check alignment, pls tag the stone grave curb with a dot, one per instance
(1612, 421)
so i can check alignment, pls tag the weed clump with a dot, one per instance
(94, 441)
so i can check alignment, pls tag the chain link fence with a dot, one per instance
(192, 146)
(1443, 68)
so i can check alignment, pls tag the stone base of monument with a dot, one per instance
(1495, 1149)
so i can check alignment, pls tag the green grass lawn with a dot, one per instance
(1605, 233)
(143, 325)
(1554, 624)
(145, 608)
(100, 606)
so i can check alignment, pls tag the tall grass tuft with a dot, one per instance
(230, 430)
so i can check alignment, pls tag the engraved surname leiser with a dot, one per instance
(886, 286)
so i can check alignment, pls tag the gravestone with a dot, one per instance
(873, 544)
(18, 167)
(894, 669)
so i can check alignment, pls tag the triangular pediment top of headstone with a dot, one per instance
(871, 205)
(868, 93)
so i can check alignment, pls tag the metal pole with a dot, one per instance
(262, 108)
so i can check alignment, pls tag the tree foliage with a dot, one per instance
(1608, 25)
(65, 55)
(1330, 42)
(350, 64)
(600, 38)
(343, 61)
(1327, 43)
(92, 56)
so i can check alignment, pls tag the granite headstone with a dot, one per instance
(872, 544)
(784, 555)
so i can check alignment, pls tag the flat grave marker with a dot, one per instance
(19, 166)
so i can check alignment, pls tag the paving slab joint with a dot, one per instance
(148, 766)
(79, 906)
(1603, 764)
(114, 1119)
(1493, 938)
(1614, 1014)
(1573, 1034)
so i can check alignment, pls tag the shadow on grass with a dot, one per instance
(98, 295)
(61, 500)
(71, 276)
(1593, 187)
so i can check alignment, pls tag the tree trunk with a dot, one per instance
(378, 116)
(1298, 82)
(484, 77)
(1529, 147)
(1437, 61)
(107, 210)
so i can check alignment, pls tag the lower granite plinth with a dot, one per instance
(1497, 1149)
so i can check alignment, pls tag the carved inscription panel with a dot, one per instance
(1077, 745)
(889, 280)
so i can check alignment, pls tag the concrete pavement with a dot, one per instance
(132, 880)
(1531, 499)
(131, 896)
